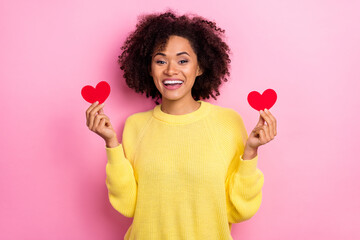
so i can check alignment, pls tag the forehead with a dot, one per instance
(176, 44)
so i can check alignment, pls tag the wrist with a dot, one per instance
(111, 143)
(249, 153)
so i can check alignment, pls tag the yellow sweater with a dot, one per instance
(183, 176)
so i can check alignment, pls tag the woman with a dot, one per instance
(186, 169)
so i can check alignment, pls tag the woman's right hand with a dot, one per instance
(99, 123)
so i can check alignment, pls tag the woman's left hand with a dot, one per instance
(262, 133)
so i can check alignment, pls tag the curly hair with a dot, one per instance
(153, 31)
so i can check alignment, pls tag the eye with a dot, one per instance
(160, 62)
(183, 61)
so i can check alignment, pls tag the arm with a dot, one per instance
(244, 190)
(120, 179)
(244, 181)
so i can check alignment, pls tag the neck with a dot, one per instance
(177, 107)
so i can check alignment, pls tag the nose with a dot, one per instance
(171, 69)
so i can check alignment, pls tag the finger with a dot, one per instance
(260, 122)
(91, 108)
(93, 112)
(97, 108)
(98, 118)
(88, 111)
(268, 120)
(102, 123)
(266, 117)
(106, 119)
(103, 116)
(267, 133)
(256, 131)
(274, 121)
(262, 137)
(95, 122)
(107, 122)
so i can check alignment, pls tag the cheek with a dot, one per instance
(155, 71)
(191, 72)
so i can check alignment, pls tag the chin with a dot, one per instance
(171, 98)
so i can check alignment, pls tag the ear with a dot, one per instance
(149, 70)
(199, 71)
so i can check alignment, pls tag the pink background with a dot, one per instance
(52, 172)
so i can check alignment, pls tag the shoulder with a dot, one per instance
(134, 125)
(226, 114)
(228, 128)
(138, 120)
(226, 120)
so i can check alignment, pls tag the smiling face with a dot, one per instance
(177, 62)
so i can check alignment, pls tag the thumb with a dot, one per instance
(260, 122)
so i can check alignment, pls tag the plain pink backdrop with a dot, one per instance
(52, 172)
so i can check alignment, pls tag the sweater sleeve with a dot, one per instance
(244, 182)
(120, 178)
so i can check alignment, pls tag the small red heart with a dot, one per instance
(99, 93)
(260, 102)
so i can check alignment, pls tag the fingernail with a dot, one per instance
(97, 102)
(102, 104)
(266, 110)
(261, 111)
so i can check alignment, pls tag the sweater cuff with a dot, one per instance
(248, 167)
(115, 155)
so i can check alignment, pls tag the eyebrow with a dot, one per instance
(180, 53)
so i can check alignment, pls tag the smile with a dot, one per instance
(172, 84)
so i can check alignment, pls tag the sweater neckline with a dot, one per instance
(199, 113)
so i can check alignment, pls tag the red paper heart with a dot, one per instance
(99, 93)
(260, 102)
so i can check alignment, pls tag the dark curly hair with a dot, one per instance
(153, 30)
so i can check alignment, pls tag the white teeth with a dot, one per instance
(172, 81)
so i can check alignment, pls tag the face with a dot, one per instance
(177, 62)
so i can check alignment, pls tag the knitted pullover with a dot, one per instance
(183, 176)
